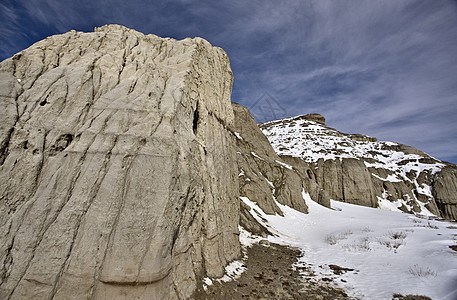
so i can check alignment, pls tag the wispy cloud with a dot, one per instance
(386, 67)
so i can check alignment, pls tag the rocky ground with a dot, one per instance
(270, 275)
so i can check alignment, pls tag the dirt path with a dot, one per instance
(270, 275)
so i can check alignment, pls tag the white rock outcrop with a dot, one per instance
(117, 178)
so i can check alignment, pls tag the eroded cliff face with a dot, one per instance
(117, 178)
(265, 178)
(444, 190)
(358, 169)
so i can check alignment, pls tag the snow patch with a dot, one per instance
(207, 282)
(233, 270)
(386, 250)
(255, 155)
(390, 177)
(284, 164)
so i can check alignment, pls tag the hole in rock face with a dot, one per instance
(195, 122)
(44, 102)
(25, 145)
(309, 174)
(61, 143)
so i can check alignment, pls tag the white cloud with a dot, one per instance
(364, 65)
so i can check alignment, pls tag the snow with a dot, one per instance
(389, 205)
(390, 252)
(238, 136)
(284, 165)
(390, 177)
(424, 189)
(233, 270)
(312, 141)
(247, 239)
(255, 155)
(207, 282)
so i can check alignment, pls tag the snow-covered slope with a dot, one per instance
(311, 141)
(372, 254)
(399, 176)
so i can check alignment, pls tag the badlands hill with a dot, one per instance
(358, 169)
(123, 162)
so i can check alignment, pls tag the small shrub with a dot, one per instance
(362, 245)
(346, 233)
(397, 235)
(394, 241)
(430, 225)
(333, 238)
(421, 272)
(409, 297)
(367, 229)
(392, 244)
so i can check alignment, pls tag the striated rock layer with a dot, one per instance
(263, 177)
(358, 169)
(116, 164)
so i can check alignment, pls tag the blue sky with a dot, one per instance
(385, 68)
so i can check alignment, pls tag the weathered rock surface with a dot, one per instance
(263, 178)
(358, 169)
(117, 178)
(346, 180)
(266, 178)
(444, 189)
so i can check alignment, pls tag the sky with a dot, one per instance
(384, 68)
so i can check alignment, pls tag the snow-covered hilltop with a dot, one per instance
(359, 169)
(370, 253)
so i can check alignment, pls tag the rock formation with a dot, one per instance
(444, 191)
(117, 169)
(358, 169)
(263, 178)
(258, 163)
(123, 162)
